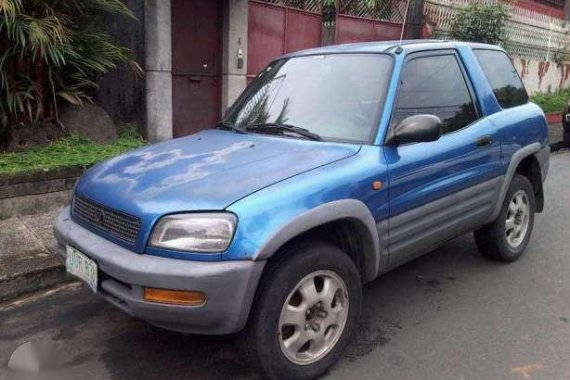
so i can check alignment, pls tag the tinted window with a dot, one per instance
(337, 96)
(435, 85)
(503, 76)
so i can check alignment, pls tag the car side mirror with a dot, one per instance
(417, 128)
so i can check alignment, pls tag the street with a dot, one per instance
(448, 315)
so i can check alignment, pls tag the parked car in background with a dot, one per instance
(335, 165)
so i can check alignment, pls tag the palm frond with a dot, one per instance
(51, 51)
(9, 8)
(109, 6)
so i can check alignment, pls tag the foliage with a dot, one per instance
(51, 51)
(69, 151)
(553, 101)
(479, 22)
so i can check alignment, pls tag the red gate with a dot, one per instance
(357, 21)
(355, 29)
(275, 29)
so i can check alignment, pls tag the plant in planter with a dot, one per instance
(479, 22)
(51, 51)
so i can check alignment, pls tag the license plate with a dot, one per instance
(81, 266)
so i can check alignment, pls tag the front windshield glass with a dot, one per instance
(336, 96)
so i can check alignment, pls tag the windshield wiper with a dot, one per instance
(229, 126)
(271, 127)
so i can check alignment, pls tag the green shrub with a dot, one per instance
(50, 52)
(68, 151)
(480, 23)
(553, 101)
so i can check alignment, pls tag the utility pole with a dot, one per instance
(415, 19)
(567, 9)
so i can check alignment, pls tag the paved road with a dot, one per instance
(449, 315)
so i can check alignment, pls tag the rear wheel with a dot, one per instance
(506, 238)
(305, 313)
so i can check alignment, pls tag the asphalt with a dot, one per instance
(448, 315)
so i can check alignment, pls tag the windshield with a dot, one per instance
(337, 97)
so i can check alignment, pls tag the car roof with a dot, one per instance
(390, 46)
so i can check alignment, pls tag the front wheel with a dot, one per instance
(305, 313)
(506, 238)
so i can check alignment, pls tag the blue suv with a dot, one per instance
(334, 166)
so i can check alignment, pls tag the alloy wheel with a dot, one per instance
(518, 217)
(313, 317)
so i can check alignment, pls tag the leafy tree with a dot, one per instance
(51, 51)
(479, 22)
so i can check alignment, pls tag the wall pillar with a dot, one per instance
(158, 68)
(234, 68)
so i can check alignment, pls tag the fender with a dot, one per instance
(516, 159)
(351, 209)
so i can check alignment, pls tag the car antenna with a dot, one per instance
(399, 49)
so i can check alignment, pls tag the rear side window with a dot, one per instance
(435, 85)
(503, 77)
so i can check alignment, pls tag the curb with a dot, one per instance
(24, 284)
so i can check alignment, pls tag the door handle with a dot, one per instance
(484, 141)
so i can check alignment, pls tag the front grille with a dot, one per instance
(116, 223)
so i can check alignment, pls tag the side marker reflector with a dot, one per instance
(376, 185)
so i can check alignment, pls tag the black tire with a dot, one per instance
(260, 340)
(491, 239)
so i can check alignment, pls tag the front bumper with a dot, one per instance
(229, 285)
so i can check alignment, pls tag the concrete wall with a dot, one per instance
(158, 69)
(234, 68)
(542, 76)
(37, 192)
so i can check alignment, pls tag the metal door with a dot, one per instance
(196, 64)
(279, 27)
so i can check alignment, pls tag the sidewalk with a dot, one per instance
(27, 262)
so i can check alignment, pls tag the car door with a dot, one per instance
(439, 189)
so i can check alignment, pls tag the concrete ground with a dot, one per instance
(26, 260)
(448, 315)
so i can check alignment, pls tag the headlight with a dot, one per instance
(198, 232)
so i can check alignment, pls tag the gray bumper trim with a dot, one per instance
(229, 285)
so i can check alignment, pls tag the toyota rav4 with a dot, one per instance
(334, 166)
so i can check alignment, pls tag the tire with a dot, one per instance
(263, 340)
(498, 243)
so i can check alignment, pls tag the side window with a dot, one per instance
(435, 85)
(503, 77)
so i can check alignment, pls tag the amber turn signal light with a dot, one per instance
(174, 297)
(376, 185)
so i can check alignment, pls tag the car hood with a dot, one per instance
(206, 171)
